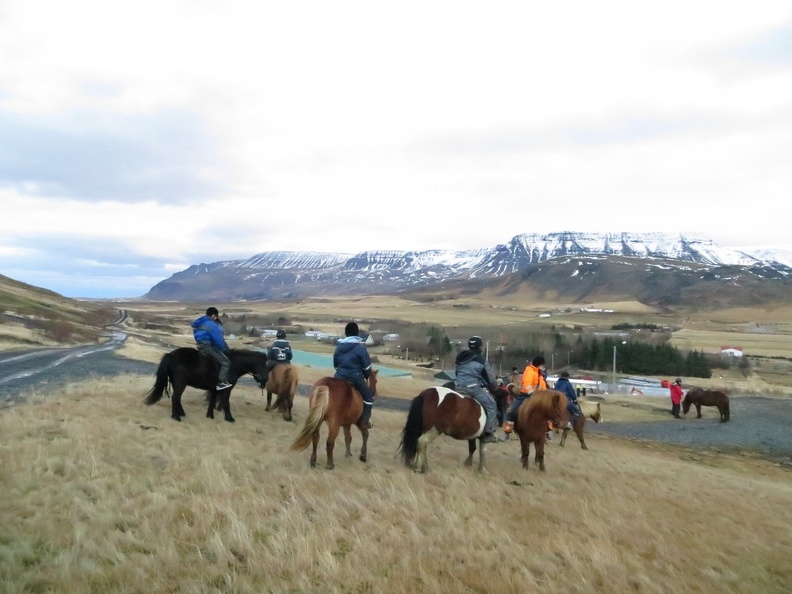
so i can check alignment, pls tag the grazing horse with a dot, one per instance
(441, 411)
(591, 410)
(185, 366)
(337, 403)
(283, 382)
(543, 407)
(699, 397)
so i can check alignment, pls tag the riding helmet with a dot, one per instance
(280, 334)
(351, 329)
(537, 361)
(678, 381)
(212, 311)
(475, 343)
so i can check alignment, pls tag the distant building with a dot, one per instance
(730, 351)
(390, 338)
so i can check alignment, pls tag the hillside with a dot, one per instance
(32, 316)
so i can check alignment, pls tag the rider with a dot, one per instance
(532, 380)
(564, 386)
(280, 351)
(474, 377)
(208, 334)
(676, 397)
(353, 364)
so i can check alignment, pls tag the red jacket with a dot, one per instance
(676, 394)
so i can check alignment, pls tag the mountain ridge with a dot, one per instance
(291, 274)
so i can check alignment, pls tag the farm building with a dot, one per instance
(730, 351)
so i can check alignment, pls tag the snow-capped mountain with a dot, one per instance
(274, 275)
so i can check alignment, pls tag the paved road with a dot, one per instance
(760, 425)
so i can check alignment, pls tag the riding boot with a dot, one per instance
(363, 421)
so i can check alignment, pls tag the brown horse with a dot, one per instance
(441, 411)
(282, 381)
(699, 397)
(543, 407)
(337, 403)
(591, 410)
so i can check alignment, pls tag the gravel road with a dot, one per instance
(759, 425)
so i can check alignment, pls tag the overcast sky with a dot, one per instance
(139, 138)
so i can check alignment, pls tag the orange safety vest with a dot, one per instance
(532, 380)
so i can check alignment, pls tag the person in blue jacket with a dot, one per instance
(564, 386)
(353, 364)
(208, 334)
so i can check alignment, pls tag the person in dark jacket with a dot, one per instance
(353, 364)
(279, 352)
(208, 334)
(474, 377)
(564, 386)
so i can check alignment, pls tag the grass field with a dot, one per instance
(104, 494)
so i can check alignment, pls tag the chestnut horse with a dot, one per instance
(282, 381)
(699, 397)
(543, 407)
(591, 410)
(441, 411)
(337, 403)
(185, 366)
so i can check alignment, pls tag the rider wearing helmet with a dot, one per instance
(352, 363)
(533, 379)
(209, 339)
(474, 377)
(280, 351)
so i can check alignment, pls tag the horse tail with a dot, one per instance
(413, 429)
(161, 383)
(316, 414)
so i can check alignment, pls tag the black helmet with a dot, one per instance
(212, 311)
(351, 329)
(537, 361)
(280, 334)
(564, 374)
(678, 381)
(475, 343)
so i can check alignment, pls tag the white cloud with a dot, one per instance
(183, 132)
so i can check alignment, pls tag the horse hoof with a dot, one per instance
(230, 419)
(267, 408)
(210, 415)
(362, 458)
(176, 419)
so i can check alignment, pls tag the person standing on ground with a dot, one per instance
(208, 334)
(475, 378)
(676, 397)
(353, 364)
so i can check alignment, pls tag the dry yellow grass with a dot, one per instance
(104, 494)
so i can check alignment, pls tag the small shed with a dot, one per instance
(731, 351)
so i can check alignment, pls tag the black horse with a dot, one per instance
(187, 367)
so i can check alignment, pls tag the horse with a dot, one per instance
(699, 397)
(185, 366)
(543, 407)
(441, 411)
(283, 382)
(589, 409)
(337, 403)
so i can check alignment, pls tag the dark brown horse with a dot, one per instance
(441, 411)
(593, 411)
(337, 403)
(543, 407)
(184, 367)
(699, 397)
(282, 381)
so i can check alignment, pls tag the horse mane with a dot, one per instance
(543, 400)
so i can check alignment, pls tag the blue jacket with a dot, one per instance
(564, 386)
(280, 351)
(205, 329)
(351, 359)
